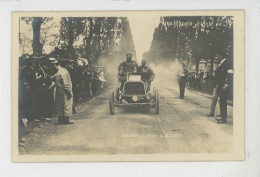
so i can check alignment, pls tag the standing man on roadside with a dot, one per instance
(222, 87)
(64, 95)
(214, 98)
(182, 77)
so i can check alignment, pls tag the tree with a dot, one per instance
(190, 39)
(96, 37)
(126, 42)
(36, 22)
(70, 29)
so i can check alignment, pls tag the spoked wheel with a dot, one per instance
(157, 101)
(111, 103)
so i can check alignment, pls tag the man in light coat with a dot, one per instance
(64, 95)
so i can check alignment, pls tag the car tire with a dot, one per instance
(111, 103)
(117, 94)
(157, 102)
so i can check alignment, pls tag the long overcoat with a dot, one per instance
(63, 103)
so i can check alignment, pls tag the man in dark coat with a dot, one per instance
(126, 67)
(222, 86)
(182, 77)
(147, 74)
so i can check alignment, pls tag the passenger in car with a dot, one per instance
(147, 74)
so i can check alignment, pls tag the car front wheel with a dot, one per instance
(157, 101)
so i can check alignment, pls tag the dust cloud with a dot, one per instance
(166, 74)
(110, 65)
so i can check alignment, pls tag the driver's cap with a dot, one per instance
(129, 54)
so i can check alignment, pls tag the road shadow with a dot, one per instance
(136, 110)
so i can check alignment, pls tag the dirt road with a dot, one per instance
(181, 127)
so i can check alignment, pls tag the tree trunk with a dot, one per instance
(89, 38)
(70, 42)
(36, 45)
(211, 65)
(197, 64)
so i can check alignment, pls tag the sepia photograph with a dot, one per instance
(128, 86)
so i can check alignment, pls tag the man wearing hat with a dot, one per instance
(64, 96)
(182, 78)
(147, 74)
(126, 67)
(222, 87)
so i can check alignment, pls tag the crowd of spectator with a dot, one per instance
(37, 88)
(202, 81)
(205, 82)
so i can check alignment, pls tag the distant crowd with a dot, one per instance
(202, 81)
(205, 82)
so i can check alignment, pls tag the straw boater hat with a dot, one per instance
(53, 61)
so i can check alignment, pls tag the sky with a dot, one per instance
(142, 31)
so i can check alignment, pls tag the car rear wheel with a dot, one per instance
(111, 103)
(157, 101)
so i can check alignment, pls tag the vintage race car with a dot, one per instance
(133, 93)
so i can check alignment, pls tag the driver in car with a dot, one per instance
(126, 67)
(147, 74)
